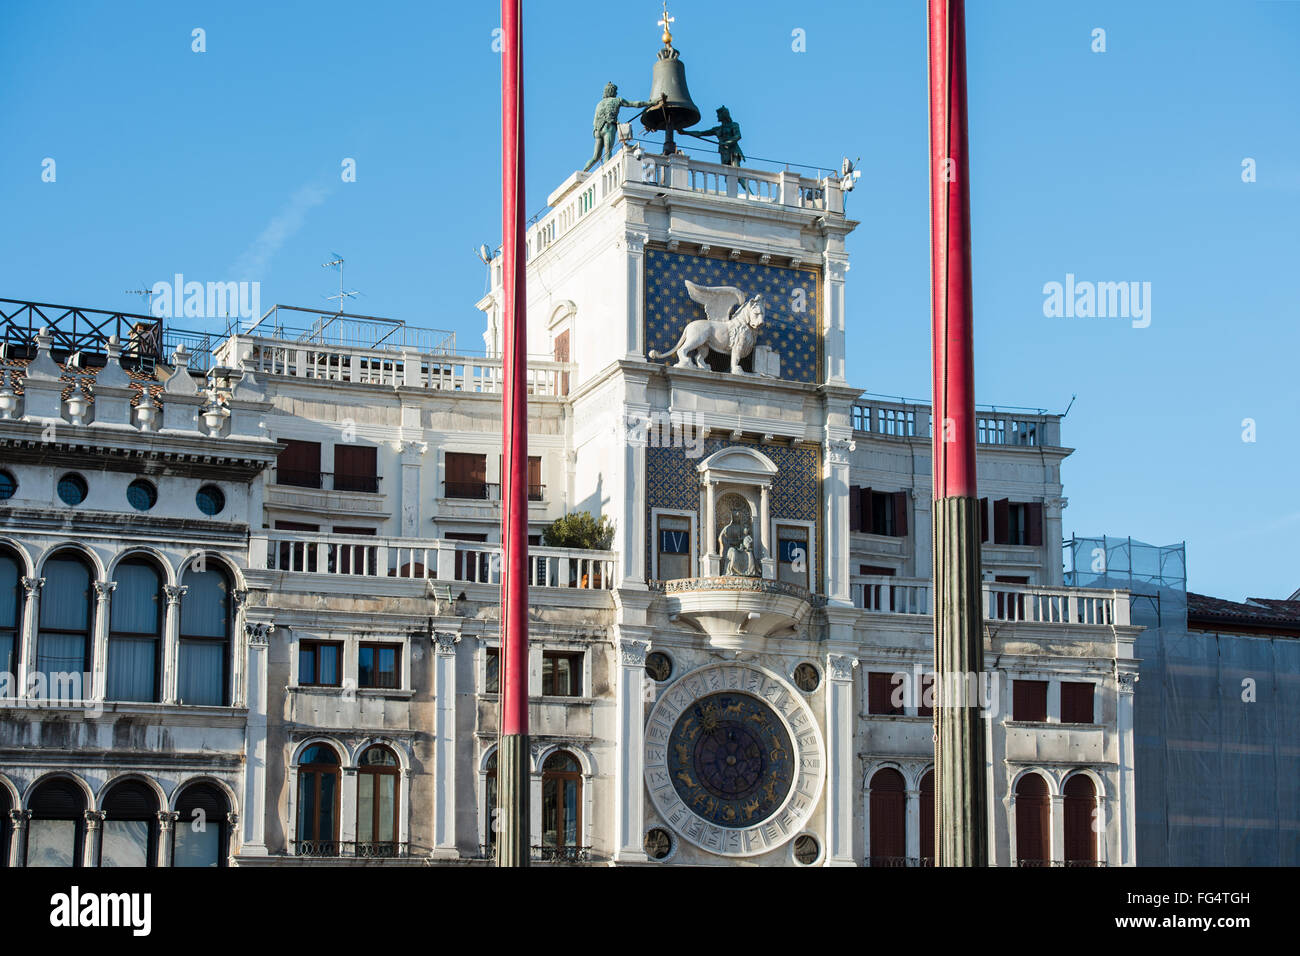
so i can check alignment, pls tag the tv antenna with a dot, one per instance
(147, 295)
(336, 261)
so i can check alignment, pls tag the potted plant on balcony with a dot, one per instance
(582, 532)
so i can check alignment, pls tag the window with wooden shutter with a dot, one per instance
(466, 475)
(864, 507)
(298, 464)
(900, 514)
(1035, 522)
(1033, 821)
(1001, 521)
(855, 509)
(535, 487)
(356, 468)
(1079, 808)
(888, 812)
(1076, 702)
(1029, 700)
(562, 355)
(881, 690)
(926, 693)
(984, 519)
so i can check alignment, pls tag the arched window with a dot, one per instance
(1033, 821)
(377, 794)
(63, 644)
(202, 832)
(135, 632)
(57, 830)
(130, 836)
(561, 804)
(318, 802)
(11, 622)
(888, 819)
(927, 819)
(203, 674)
(1080, 809)
(490, 803)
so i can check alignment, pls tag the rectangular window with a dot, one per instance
(535, 486)
(562, 673)
(1029, 700)
(356, 468)
(466, 476)
(1076, 702)
(298, 464)
(379, 665)
(792, 554)
(673, 536)
(879, 512)
(1017, 523)
(318, 663)
(884, 693)
(492, 675)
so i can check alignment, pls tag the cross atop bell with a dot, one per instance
(671, 107)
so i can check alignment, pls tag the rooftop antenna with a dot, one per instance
(337, 260)
(148, 295)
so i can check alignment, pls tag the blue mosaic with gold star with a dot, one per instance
(790, 305)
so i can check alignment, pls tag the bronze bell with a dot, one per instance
(672, 107)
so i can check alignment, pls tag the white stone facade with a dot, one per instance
(362, 607)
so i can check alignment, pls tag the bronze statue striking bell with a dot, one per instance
(669, 81)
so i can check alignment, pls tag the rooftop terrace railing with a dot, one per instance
(993, 425)
(881, 594)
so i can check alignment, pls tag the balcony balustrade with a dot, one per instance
(1002, 602)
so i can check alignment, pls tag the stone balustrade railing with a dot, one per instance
(1002, 602)
(345, 555)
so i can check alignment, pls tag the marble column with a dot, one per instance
(99, 654)
(166, 837)
(444, 745)
(18, 820)
(1057, 802)
(912, 825)
(27, 642)
(629, 797)
(94, 838)
(172, 640)
(1125, 798)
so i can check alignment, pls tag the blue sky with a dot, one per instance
(1117, 166)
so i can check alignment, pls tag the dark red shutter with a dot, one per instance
(984, 519)
(927, 681)
(299, 464)
(1076, 702)
(1029, 700)
(900, 514)
(1079, 805)
(1035, 520)
(888, 818)
(927, 816)
(868, 518)
(1001, 521)
(855, 509)
(562, 355)
(355, 468)
(1032, 819)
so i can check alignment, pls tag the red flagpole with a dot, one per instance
(961, 779)
(512, 751)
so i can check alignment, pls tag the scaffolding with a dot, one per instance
(1214, 719)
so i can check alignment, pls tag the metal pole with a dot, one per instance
(512, 750)
(961, 777)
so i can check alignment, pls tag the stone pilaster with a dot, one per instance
(99, 654)
(412, 458)
(839, 453)
(257, 638)
(841, 718)
(629, 797)
(444, 744)
(1125, 798)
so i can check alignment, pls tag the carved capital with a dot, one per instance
(840, 666)
(94, 819)
(633, 653)
(167, 820)
(174, 593)
(240, 596)
(839, 451)
(635, 241)
(103, 589)
(705, 248)
(836, 269)
(734, 255)
(32, 586)
(258, 632)
(232, 817)
(764, 259)
(1127, 681)
(19, 818)
(445, 644)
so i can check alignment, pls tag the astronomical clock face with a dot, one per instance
(733, 759)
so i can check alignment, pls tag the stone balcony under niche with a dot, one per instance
(733, 610)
